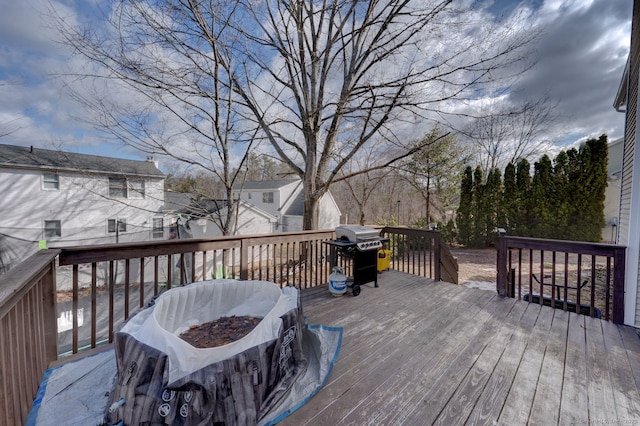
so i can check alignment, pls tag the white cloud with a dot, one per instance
(581, 57)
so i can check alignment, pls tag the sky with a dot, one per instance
(580, 61)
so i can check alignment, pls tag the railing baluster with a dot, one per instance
(566, 282)
(74, 309)
(111, 300)
(578, 283)
(553, 279)
(607, 290)
(593, 285)
(570, 288)
(94, 303)
(142, 284)
(204, 265)
(169, 272)
(156, 274)
(127, 270)
(541, 277)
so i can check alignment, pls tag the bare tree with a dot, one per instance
(356, 191)
(506, 133)
(155, 84)
(318, 80)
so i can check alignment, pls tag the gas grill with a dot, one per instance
(358, 245)
(363, 237)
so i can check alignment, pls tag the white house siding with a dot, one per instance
(629, 234)
(287, 204)
(288, 194)
(291, 223)
(251, 221)
(329, 215)
(81, 204)
(282, 197)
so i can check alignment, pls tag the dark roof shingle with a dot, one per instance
(265, 184)
(29, 157)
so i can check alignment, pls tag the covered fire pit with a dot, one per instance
(163, 379)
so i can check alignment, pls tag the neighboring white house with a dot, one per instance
(628, 100)
(202, 216)
(284, 199)
(67, 199)
(612, 193)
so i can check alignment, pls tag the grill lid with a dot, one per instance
(364, 237)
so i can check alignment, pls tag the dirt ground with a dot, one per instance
(476, 265)
(477, 269)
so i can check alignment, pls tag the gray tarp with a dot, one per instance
(77, 392)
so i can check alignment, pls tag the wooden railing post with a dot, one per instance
(437, 265)
(244, 259)
(50, 313)
(618, 285)
(501, 279)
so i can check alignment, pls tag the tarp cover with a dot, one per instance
(76, 393)
(164, 380)
(262, 384)
(178, 309)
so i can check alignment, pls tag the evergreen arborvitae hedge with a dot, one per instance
(564, 199)
(463, 217)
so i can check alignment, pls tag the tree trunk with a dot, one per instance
(310, 214)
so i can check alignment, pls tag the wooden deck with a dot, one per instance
(419, 352)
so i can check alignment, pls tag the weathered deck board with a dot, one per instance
(419, 352)
(599, 385)
(546, 403)
(626, 395)
(573, 406)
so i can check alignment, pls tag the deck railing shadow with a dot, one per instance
(586, 278)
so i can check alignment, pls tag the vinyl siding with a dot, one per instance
(629, 231)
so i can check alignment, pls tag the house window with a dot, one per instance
(51, 181)
(126, 188)
(117, 188)
(158, 227)
(52, 229)
(136, 188)
(111, 225)
(267, 197)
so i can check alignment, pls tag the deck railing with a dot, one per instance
(99, 287)
(421, 252)
(587, 278)
(71, 299)
(107, 283)
(28, 341)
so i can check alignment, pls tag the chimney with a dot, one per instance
(151, 160)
